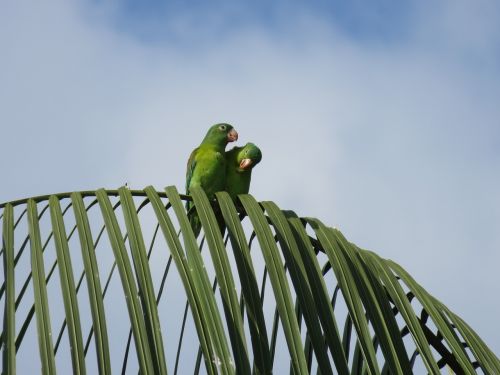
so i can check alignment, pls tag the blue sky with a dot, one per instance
(379, 117)
(149, 20)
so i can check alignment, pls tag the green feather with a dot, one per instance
(206, 167)
(239, 164)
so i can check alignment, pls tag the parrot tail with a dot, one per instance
(194, 219)
(195, 222)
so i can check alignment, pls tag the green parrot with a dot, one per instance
(206, 167)
(239, 164)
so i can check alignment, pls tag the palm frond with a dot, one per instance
(330, 306)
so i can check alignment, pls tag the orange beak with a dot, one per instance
(245, 163)
(232, 136)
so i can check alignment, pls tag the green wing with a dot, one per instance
(191, 164)
(193, 216)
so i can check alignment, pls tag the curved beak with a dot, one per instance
(232, 135)
(245, 163)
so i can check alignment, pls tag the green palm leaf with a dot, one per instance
(68, 286)
(9, 327)
(330, 307)
(93, 284)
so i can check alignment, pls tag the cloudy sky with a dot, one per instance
(381, 118)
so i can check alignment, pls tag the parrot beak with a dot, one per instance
(232, 136)
(245, 163)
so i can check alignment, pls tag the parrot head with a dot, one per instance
(221, 134)
(248, 157)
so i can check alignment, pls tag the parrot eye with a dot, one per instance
(222, 127)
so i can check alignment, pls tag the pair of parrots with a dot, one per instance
(213, 169)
